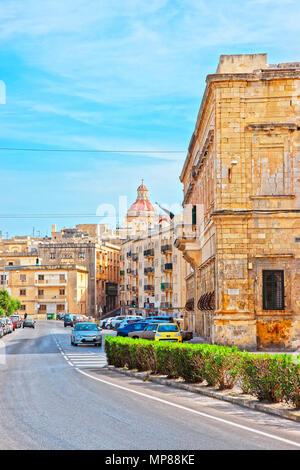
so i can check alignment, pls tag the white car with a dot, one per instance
(116, 320)
(9, 324)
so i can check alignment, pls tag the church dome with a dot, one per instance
(142, 206)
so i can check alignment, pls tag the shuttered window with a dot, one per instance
(273, 290)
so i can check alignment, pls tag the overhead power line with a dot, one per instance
(19, 149)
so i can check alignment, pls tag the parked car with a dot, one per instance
(103, 323)
(116, 320)
(131, 327)
(9, 323)
(60, 316)
(17, 321)
(147, 333)
(168, 332)
(3, 326)
(163, 318)
(86, 333)
(29, 323)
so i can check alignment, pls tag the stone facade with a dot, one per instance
(152, 273)
(48, 289)
(241, 183)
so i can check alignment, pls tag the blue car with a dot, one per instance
(134, 326)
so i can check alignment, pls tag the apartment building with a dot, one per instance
(102, 260)
(241, 202)
(72, 246)
(152, 274)
(48, 289)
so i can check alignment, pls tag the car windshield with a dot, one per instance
(86, 327)
(167, 328)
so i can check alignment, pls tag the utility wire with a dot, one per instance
(89, 151)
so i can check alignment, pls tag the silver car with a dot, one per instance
(86, 333)
(9, 325)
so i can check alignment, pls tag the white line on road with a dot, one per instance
(221, 420)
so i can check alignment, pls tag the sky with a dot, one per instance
(120, 75)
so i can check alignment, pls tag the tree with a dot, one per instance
(13, 306)
(4, 300)
(8, 305)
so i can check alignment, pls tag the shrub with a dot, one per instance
(221, 366)
(273, 378)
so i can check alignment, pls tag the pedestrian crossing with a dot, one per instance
(87, 361)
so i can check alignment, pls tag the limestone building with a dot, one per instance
(152, 268)
(48, 289)
(241, 181)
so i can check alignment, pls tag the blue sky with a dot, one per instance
(114, 74)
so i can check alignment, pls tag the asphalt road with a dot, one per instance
(54, 396)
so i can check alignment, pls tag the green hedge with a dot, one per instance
(273, 378)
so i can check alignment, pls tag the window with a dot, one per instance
(10, 263)
(62, 277)
(60, 308)
(81, 255)
(41, 292)
(22, 277)
(23, 307)
(194, 215)
(52, 255)
(41, 277)
(61, 291)
(273, 290)
(43, 307)
(22, 291)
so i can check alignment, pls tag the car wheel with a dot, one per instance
(134, 337)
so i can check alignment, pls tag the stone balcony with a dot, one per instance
(187, 240)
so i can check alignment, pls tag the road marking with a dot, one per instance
(190, 410)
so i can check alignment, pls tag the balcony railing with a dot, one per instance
(166, 248)
(165, 286)
(149, 270)
(149, 288)
(167, 267)
(149, 253)
(166, 305)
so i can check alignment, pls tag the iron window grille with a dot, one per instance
(273, 290)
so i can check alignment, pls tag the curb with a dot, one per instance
(244, 402)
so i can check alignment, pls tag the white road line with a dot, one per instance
(190, 410)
